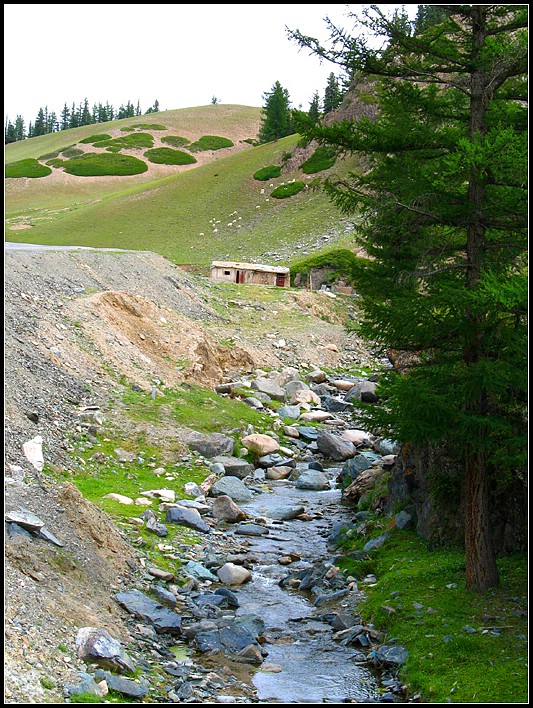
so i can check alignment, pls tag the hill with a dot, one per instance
(191, 214)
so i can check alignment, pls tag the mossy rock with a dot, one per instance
(322, 159)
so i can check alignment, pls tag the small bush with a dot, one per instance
(266, 173)
(210, 142)
(322, 159)
(72, 152)
(168, 156)
(114, 148)
(134, 141)
(49, 155)
(96, 138)
(27, 168)
(175, 140)
(102, 164)
(144, 126)
(287, 190)
(56, 162)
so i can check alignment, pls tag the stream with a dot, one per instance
(310, 667)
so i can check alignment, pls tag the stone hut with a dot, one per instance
(250, 273)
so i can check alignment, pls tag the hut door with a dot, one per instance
(280, 281)
(240, 276)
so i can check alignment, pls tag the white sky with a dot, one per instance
(181, 55)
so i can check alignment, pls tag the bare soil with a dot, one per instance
(79, 325)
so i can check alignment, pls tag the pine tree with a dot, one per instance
(9, 132)
(65, 118)
(276, 121)
(39, 127)
(444, 219)
(314, 108)
(332, 94)
(20, 131)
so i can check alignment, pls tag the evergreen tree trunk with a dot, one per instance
(481, 569)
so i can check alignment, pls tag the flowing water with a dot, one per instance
(304, 664)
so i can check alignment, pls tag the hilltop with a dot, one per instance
(213, 209)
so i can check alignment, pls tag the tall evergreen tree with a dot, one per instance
(9, 132)
(85, 114)
(332, 94)
(276, 121)
(65, 118)
(39, 127)
(314, 108)
(444, 203)
(20, 131)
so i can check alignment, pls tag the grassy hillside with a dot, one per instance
(190, 214)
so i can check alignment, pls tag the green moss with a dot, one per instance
(168, 156)
(27, 168)
(72, 152)
(100, 164)
(266, 173)
(287, 190)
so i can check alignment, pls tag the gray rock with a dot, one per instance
(208, 444)
(187, 517)
(376, 542)
(291, 412)
(234, 466)
(334, 446)
(313, 480)
(87, 685)
(269, 387)
(96, 646)
(286, 513)
(117, 683)
(392, 655)
(25, 518)
(233, 487)
(197, 570)
(161, 618)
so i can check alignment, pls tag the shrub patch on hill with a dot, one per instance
(175, 140)
(287, 190)
(27, 168)
(144, 126)
(96, 138)
(210, 142)
(322, 159)
(266, 173)
(103, 164)
(135, 141)
(168, 156)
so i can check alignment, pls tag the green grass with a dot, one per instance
(97, 165)
(196, 407)
(27, 168)
(168, 156)
(445, 661)
(172, 215)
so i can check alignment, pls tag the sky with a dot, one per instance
(183, 56)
